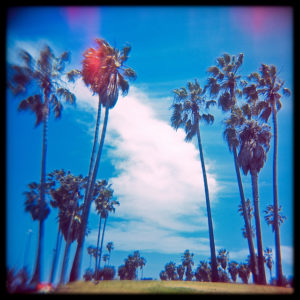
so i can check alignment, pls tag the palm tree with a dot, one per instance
(233, 270)
(180, 271)
(109, 247)
(142, 263)
(249, 209)
(105, 72)
(203, 272)
(225, 81)
(57, 201)
(69, 214)
(270, 216)
(255, 143)
(268, 85)
(90, 251)
(244, 272)
(187, 108)
(109, 207)
(222, 258)
(187, 262)
(46, 74)
(99, 201)
(269, 260)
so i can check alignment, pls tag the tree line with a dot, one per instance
(228, 270)
(42, 82)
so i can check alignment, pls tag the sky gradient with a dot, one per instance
(155, 174)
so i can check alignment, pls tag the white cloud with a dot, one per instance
(159, 183)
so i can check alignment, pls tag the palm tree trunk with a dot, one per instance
(93, 150)
(214, 264)
(56, 255)
(74, 275)
(36, 278)
(279, 274)
(247, 222)
(67, 248)
(261, 264)
(102, 238)
(98, 239)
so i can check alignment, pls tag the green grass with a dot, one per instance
(167, 287)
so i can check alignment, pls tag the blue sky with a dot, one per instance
(155, 175)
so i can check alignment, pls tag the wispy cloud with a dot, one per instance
(159, 180)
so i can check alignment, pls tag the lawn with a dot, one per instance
(167, 287)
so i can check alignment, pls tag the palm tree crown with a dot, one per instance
(255, 143)
(187, 107)
(104, 71)
(225, 79)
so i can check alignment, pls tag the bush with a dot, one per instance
(88, 275)
(108, 273)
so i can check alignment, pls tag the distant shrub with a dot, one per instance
(88, 275)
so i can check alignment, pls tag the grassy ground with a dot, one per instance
(167, 287)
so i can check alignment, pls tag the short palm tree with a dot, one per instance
(269, 260)
(109, 247)
(244, 272)
(233, 270)
(187, 113)
(268, 85)
(187, 262)
(105, 72)
(45, 75)
(270, 216)
(222, 258)
(255, 143)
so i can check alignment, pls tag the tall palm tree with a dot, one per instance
(44, 74)
(56, 201)
(268, 85)
(69, 214)
(187, 112)
(255, 143)
(224, 83)
(104, 70)
(231, 135)
(108, 207)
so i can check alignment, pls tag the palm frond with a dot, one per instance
(73, 74)
(208, 118)
(65, 93)
(35, 105)
(227, 58)
(286, 92)
(214, 70)
(209, 103)
(266, 113)
(123, 84)
(221, 62)
(130, 74)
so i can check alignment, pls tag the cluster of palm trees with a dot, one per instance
(228, 270)
(43, 82)
(128, 271)
(248, 136)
